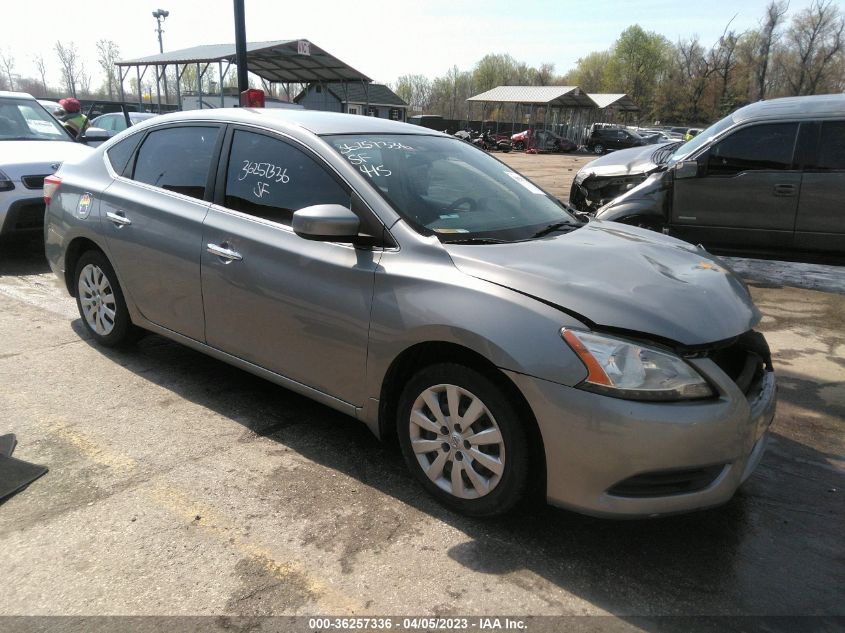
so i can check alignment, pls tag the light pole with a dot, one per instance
(160, 15)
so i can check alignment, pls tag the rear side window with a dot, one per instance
(177, 159)
(120, 153)
(757, 148)
(271, 179)
(832, 146)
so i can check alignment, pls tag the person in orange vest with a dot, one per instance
(73, 119)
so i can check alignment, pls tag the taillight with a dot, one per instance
(51, 186)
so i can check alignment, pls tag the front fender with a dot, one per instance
(415, 303)
(648, 199)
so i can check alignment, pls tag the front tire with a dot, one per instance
(463, 440)
(100, 301)
(519, 146)
(598, 149)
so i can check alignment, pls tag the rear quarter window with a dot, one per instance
(120, 153)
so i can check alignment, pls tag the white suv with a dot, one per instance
(32, 145)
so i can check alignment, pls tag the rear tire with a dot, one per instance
(598, 149)
(519, 146)
(100, 301)
(463, 440)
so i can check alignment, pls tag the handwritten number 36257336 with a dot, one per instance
(264, 170)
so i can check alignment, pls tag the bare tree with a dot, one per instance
(42, 71)
(766, 40)
(69, 59)
(723, 60)
(415, 90)
(695, 71)
(7, 61)
(815, 41)
(84, 81)
(108, 54)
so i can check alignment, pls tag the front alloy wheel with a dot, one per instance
(462, 439)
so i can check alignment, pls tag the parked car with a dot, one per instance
(653, 137)
(542, 141)
(411, 280)
(33, 144)
(115, 122)
(604, 139)
(608, 177)
(768, 177)
(51, 106)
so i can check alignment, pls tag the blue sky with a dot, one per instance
(380, 38)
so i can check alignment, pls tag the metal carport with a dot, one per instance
(567, 110)
(282, 61)
(564, 107)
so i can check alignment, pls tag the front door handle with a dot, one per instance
(118, 218)
(223, 252)
(784, 190)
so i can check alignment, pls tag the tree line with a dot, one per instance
(688, 81)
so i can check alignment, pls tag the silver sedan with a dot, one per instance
(418, 284)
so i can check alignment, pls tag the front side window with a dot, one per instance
(177, 159)
(756, 148)
(445, 187)
(270, 179)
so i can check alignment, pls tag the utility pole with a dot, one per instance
(240, 46)
(160, 15)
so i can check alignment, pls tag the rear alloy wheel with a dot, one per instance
(100, 301)
(598, 148)
(519, 146)
(462, 440)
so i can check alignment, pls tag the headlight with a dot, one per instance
(624, 369)
(5, 182)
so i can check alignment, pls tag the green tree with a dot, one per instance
(639, 61)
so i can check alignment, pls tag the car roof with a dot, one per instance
(792, 107)
(15, 95)
(314, 121)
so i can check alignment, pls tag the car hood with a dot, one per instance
(621, 277)
(27, 158)
(635, 160)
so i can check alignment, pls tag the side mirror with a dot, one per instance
(95, 135)
(686, 169)
(326, 223)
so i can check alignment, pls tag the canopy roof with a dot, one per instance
(615, 101)
(554, 96)
(283, 61)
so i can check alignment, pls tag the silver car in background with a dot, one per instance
(416, 283)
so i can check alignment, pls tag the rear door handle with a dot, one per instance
(223, 252)
(118, 218)
(784, 190)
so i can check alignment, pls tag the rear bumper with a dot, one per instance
(594, 443)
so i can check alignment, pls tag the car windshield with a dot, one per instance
(445, 187)
(27, 120)
(700, 139)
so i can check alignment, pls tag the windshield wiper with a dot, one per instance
(557, 226)
(476, 240)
